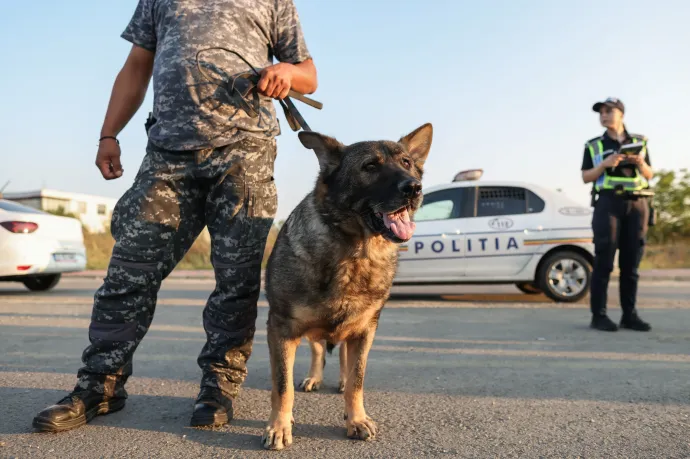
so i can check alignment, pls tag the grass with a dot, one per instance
(100, 246)
(668, 256)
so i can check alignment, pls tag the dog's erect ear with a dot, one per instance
(328, 150)
(418, 142)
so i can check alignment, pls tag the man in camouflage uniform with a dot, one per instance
(209, 162)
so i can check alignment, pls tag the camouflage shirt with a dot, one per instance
(191, 111)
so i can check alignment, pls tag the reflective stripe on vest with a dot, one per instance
(605, 181)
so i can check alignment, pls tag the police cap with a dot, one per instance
(610, 102)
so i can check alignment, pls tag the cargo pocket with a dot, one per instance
(240, 240)
(261, 203)
(113, 332)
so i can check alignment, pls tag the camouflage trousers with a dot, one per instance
(175, 194)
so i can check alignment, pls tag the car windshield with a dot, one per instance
(10, 206)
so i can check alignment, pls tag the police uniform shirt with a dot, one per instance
(612, 145)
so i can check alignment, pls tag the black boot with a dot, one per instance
(212, 408)
(633, 322)
(75, 410)
(603, 323)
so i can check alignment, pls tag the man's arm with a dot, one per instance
(296, 69)
(304, 77)
(129, 91)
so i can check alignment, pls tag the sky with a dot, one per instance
(507, 84)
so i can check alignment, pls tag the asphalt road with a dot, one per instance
(478, 372)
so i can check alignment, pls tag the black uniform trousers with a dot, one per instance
(618, 223)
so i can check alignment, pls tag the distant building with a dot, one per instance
(94, 212)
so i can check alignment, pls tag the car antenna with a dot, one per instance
(3, 188)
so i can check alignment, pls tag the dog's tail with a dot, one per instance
(329, 347)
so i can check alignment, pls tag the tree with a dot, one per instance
(61, 212)
(672, 205)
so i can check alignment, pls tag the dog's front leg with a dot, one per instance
(359, 425)
(278, 433)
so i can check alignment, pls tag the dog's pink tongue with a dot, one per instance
(400, 224)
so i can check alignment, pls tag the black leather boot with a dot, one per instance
(75, 410)
(603, 323)
(212, 408)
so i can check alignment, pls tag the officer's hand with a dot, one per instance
(108, 159)
(613, 160)
(276, 80)
(635, 159)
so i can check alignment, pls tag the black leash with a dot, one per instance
(234, 83)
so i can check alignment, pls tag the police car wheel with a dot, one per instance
(565, 276)
(528, 288)
(42, 283)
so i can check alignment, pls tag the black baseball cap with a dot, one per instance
(611, 102)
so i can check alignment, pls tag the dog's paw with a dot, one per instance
(310, 384)
(361, 428)
(341, 386)
(278, 434)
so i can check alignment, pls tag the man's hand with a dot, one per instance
(276, 80)
(613, 160)
(108, 159)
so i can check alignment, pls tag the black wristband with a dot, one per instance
(109, 137)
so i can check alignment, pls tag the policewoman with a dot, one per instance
(621, 213)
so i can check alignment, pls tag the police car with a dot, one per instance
(478, 232)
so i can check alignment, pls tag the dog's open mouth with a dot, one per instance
(397, 224)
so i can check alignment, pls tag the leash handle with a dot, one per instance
(293, 115)
(304, 99)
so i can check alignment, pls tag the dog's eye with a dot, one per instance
(407, 163)
(370, 166)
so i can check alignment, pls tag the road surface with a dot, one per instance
(480, 371)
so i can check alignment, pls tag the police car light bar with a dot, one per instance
(472, 174)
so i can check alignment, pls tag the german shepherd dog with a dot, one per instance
(332, 267)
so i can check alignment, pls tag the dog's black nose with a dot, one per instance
(411, 188)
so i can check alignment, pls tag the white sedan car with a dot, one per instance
(476, 232)
(37, 247)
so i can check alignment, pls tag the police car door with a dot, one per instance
(499, 236)
(435, 252)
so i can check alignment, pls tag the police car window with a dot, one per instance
(10, 206)
(503, 200)
(439, 205)
(535, 204)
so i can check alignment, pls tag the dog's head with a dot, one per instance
(375, 185)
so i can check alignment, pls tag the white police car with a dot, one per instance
(500, 233)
